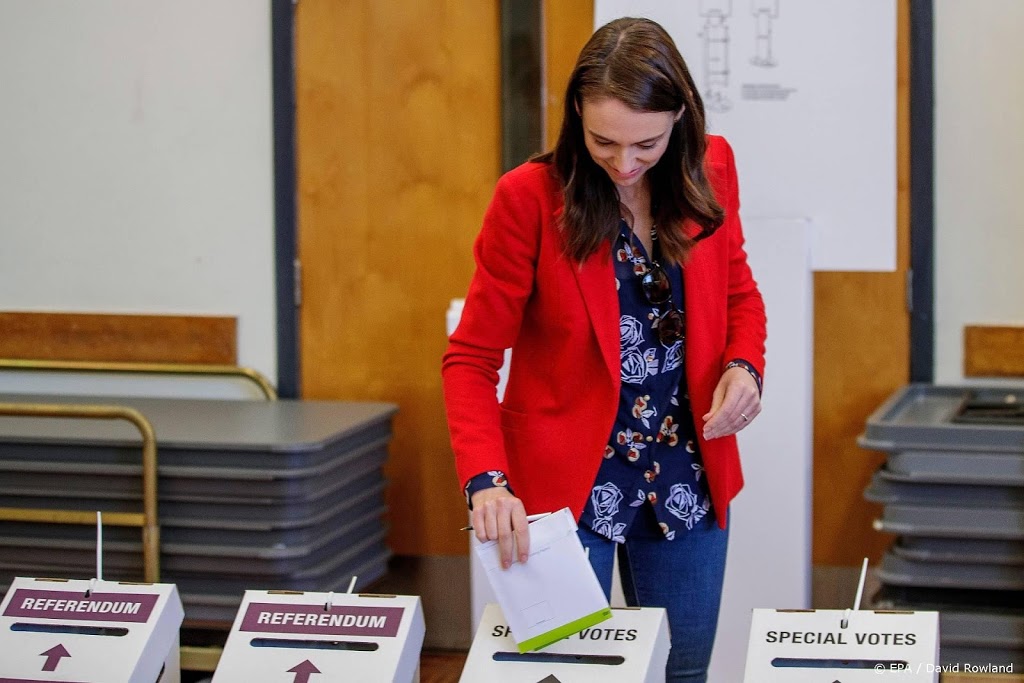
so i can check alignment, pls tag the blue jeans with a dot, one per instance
(683, 575)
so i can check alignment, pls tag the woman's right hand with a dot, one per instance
(500, 516)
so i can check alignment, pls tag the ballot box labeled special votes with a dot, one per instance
(848, 646)
(80, 631)
(630, 647)
(296, 637)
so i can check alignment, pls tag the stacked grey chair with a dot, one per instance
(953, 491)
(251, 494)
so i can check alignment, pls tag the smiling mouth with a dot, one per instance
(626, 176)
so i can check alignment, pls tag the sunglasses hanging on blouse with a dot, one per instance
(671, 325)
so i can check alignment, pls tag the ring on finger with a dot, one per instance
(745, 418)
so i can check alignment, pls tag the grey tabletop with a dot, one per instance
(283, 425)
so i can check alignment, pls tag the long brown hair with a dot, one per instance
(636, 62)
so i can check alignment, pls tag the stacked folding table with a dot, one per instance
(953, 491)
(251, 495)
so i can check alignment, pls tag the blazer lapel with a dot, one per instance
(596, 280)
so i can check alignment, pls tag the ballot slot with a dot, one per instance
(116, 632)
(554, 657)
(315, 644)
(630, 647)
(872, 664)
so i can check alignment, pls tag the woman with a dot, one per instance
(614, 268)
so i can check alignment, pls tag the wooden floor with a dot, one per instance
(441, 667)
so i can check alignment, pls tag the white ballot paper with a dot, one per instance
(555, 593)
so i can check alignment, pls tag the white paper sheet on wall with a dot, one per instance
(805, 90)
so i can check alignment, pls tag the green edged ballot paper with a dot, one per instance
(555, 593)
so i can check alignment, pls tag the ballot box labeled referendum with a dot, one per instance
(850, 646)
(631, 647)
(297, 637)
(80, 631)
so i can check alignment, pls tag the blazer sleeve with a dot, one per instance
(506, 257)
(747, 324)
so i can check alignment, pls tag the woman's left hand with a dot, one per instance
(734, 405)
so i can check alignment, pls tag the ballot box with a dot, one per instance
(631, 647)
(291, 636)
(851, 646)
(81, 631)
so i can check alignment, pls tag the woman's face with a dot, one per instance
(624, 142)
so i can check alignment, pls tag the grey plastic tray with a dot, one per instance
(204, 433)
(982, 658)
(895, 489)
(963, 550)
(956, 599)
(185, 483)
(920, 417)
(976, 627)
(953, 522)
(250, 533)
(220, 610)
(900, 571)
(207, 449)
(971, 629)
(226, 513)
(56, 556)
(332, 571)
(955, 467)
(308, 577)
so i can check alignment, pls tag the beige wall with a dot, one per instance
(136, 166)
(979, 145)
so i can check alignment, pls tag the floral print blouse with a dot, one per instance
(652, 457)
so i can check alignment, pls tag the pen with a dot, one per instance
(529, 518)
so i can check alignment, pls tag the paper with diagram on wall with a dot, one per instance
(552, 595)
(805, 92)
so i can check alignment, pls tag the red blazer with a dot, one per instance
(562, 322)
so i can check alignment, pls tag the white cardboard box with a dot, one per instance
(811, 646)
(631, 647)
(50, 630)
(299, 637)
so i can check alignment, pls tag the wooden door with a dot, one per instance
(398, 145)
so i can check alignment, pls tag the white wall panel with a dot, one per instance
(805, 90)
(979, 145)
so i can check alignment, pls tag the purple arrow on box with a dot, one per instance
(303, 671)
(53, 657)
